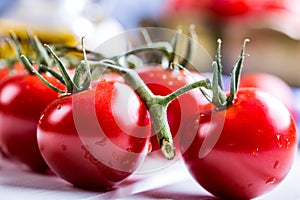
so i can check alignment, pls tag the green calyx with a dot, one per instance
(217, 96)
(80, 81)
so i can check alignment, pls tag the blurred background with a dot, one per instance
(273, 26)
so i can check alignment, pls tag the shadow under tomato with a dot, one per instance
(177, 195)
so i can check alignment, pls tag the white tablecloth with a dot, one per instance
(170, 182)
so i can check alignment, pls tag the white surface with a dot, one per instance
(170, 182)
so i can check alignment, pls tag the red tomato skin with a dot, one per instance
(92, 143)
(17, 68)
(23, 97)
(271, 84)
(163, 82)
(244, 151)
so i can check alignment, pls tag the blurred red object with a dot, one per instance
(227, 8)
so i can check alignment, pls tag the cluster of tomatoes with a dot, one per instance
(94, 134)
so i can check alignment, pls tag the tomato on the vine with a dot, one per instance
(23, 97)
(97, 137)
(244, 142)
(245, 150)
(164, 81)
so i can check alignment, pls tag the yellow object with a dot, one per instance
(49, 35)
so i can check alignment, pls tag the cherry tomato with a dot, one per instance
(228, 8)
(23, 97)
(271, 84)
(243, 151)
(162, 82)
(17, 67)
(95, 138)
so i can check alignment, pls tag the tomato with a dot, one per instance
(271, 84)
(227, 8)
(23, 97)
(162, 82)
(95, 138)
(17, 67)
(243, 151)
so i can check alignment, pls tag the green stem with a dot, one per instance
(174, 43)
(236, 73)
(155, 104)
(155, 47)
(184, 89)
(219, 64)
(52, 72)
(17, 45)
(64, 49)
(34, 71)
(68, 82)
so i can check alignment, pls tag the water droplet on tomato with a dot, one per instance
(278, 137)
(279, 144)
(115, 155)
(170, 83)
(230, 145)
(271, 180)
(259, 131)
(41, 118)
(255, 152)
(276, 165)
(149, 147)
(58, 107)
(63, 147)
(126, 162)
(288, 143)
(164, 77)
(101, 141)
(179, 78)
(129, 149)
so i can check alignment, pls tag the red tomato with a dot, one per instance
(227, 8)
(163, 82)
(271, 84)
(243, 151)
(95, 138)
(18, 67)
(23, 97)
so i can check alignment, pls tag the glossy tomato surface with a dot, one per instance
(244, 151)
(95, 138)
(23, 97)
(165, 81)
(16, 68)
(271, 84)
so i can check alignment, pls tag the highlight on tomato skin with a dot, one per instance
(245, 150)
